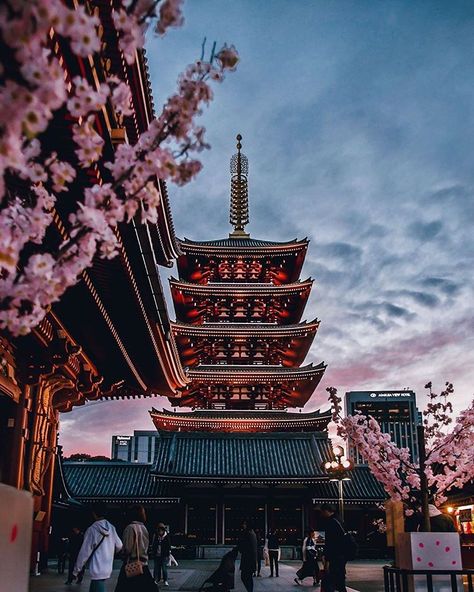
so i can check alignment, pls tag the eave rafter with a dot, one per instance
(240, 247)
(241, 290)
(260, 330)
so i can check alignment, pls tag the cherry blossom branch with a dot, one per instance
(449, 455)
(33, 179)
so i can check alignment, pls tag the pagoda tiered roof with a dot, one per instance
(249, 386)
(244, 343)
(197, 303)
(242, 259)
(238, 304)
(231, 246)
(240, 420)
(252, 290)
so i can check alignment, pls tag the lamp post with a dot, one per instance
(338, 470)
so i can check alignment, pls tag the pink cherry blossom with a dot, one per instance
(449, 448)
(36, 85)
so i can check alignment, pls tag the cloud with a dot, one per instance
(443, 285)
(425, 231)
(357, 122)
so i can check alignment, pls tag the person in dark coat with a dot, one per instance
(161, 549)
(334, 559)
(223, 579)
(248, 555)
(273, 547)
(259, 553)
(76, 539)
(440, 522)
(310, 567)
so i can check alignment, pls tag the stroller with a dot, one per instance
(222, 580)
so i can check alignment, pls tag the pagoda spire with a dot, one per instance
(239, 195)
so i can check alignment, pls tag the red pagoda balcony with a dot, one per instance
(245, 343)
(249, 387)
(243, 260)
(222, 302)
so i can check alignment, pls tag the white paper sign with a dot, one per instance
(16, 520)
(430, 551)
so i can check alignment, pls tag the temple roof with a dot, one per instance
(257, 329)
(266, 414)
(135, 483)
(241, 289)
(240, 420)
(362, 488)
(111, 481)
(198, 456)
(241, 245)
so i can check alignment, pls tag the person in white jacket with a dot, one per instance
(101, 542)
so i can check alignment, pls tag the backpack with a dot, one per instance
(350, 547)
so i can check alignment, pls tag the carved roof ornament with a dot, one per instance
(239, 194)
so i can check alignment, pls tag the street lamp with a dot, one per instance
(338, 470)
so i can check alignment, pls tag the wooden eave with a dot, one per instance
(236, 289)
(97, 311)
(261, 330)
(245, 374)
(233, 248)
(239, 420)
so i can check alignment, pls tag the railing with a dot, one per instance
(400, 580)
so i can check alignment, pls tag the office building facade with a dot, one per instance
(395, 411)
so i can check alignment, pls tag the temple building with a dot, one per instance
(86, 348)
(237, 445)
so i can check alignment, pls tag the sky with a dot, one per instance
(358, 121)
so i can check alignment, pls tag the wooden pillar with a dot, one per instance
(41, 460)
(395, 521)
(20, 436)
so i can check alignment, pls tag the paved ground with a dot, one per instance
(363, 576)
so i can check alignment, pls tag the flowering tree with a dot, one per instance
(449, 448)
(35, 89)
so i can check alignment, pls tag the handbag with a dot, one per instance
(134, 568)
(172, 561)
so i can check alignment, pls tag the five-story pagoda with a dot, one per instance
(239, 303)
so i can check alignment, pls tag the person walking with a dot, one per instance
(76, 538)
(334, 546)
(135, 575)
(247, 547)
(440, 522)
(273, 549)
(161, 550)
(100, 544)
(259, 553)
(310, 567)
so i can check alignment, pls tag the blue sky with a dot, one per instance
(358, 122)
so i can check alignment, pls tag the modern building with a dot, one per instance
(141, 447)
(394, 410)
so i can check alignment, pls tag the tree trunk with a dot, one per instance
(425, 525)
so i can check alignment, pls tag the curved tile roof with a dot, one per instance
(276, 414)
(197, 456)
(111, 480)
(242, 244)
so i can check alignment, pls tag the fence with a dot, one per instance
(399, 580)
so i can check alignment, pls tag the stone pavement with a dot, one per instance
(363, 576)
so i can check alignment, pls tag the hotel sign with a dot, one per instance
(390, 395)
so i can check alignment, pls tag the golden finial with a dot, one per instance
(239, 197)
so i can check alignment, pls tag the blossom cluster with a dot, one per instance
(449, 451)
(35, 90)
